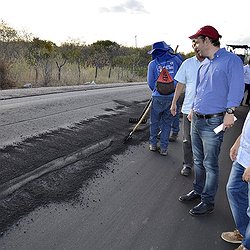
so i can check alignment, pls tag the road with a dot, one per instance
(123, 197)
(30, 116)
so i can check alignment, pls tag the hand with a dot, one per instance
(246, 175)
(228, 121)
(190, 115)
(173, 109)
(233, 153)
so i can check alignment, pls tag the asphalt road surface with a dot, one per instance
(109, 195)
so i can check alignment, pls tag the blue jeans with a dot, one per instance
(160, 117)
(206, 148)
(238, 193)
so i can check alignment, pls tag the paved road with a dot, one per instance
(132, 204)
(26, 113)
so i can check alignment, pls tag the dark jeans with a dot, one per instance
(176, 121)
(187, 145)
(247, 89)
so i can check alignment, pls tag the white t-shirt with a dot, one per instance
(187, 75)
(247, 74)
(243, 156)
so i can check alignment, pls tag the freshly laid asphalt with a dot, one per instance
(132, 203)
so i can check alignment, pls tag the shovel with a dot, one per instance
(136, 120)
(129, 136)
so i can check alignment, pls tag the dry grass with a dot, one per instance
(22, 73)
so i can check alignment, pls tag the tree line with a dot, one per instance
(44, 57)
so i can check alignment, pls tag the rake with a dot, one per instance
(136, 120)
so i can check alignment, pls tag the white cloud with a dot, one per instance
(130, 6)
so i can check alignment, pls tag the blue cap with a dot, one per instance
(159, 46)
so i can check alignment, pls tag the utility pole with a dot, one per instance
(136, 41)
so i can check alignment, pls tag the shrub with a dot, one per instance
(5, 81)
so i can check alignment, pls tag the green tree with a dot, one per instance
(40, 55)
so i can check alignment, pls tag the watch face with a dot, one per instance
(230, 111)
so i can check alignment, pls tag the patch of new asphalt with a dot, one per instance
(43, 169)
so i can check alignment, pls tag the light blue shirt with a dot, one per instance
(220, 83)
(187, 75)
(247, 74)
(243, 156)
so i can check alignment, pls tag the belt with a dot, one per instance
(208, 116)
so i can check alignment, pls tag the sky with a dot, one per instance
(135, 23)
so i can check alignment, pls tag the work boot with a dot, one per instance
(232, 237)
(173, 137)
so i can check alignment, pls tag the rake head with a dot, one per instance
(136, 120)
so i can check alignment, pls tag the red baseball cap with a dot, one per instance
(208, 31)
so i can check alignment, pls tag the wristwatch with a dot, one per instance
(230, 110)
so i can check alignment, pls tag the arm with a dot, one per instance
(236, 90)
(178, 90)
(234, 149)
(151, 76)
(235, 82)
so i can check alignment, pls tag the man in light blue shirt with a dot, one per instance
(186, 78)
(238, 188)
(247, 81)
(220, 88)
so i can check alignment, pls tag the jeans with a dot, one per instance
(160, 117)
(206, 148)
(247, 89)
(176, 120)
(187, 146)
(238, 193)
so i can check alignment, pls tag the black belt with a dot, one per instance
(208, 116)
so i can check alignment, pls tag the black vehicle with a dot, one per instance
(236, 48)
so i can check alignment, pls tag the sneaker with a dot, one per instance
(173, 137)
(241, 247)
(232, 237)
(153, 147)
(163, 152)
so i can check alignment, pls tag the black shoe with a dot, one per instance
(173, 137)
(191, 196)
(159, 135)
(186, 170)
(202, 209)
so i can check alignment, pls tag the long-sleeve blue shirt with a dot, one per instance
(220, 83)
(172, 63)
